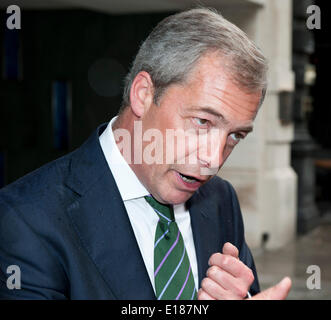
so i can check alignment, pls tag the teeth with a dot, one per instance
(188, 180)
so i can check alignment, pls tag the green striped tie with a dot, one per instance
(172, 270)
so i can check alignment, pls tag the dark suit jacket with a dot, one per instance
(66, 227)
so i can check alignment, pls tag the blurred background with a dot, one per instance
(61, 75)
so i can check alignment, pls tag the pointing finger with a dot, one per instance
(230, 250)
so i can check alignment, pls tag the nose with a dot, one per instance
(211, 152)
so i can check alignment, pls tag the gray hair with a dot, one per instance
(175, 45)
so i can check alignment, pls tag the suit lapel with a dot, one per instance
(206, 229)
(102, 223)
(105, 231)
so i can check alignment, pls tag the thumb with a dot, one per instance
(277, 292)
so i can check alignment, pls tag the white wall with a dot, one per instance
(260, 168)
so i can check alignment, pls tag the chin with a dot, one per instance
(178, 197)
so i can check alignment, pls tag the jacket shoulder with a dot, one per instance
(37, 185)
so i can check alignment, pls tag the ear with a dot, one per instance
(141, 93)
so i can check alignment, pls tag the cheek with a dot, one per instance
(193, 139)
(187, 146)
(178, 142)
(157, 173)
(226, 152)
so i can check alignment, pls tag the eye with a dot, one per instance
(201, 122)
(236, 137)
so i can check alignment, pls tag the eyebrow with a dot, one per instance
(215, 113)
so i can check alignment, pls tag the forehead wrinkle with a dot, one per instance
(229, 102)
(211, 110)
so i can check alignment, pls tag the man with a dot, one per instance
(116, 219)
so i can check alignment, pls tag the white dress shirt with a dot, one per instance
(142, 216)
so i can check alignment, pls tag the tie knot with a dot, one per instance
(165, 212)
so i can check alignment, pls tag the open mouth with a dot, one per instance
(188, 179)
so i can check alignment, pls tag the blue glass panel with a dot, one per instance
(2, 169)
(11, 54)
(61, 114)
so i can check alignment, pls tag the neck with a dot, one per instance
(125, 121)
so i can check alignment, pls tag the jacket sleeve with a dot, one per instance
(22, 251)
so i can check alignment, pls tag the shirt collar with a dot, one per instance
(127, 182)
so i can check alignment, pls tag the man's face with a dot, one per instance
(208, 102)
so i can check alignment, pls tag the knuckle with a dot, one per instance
(205, 283)
(228, 261)
(224, 260)
(212, 271)
(214, 258)
(221, 277)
